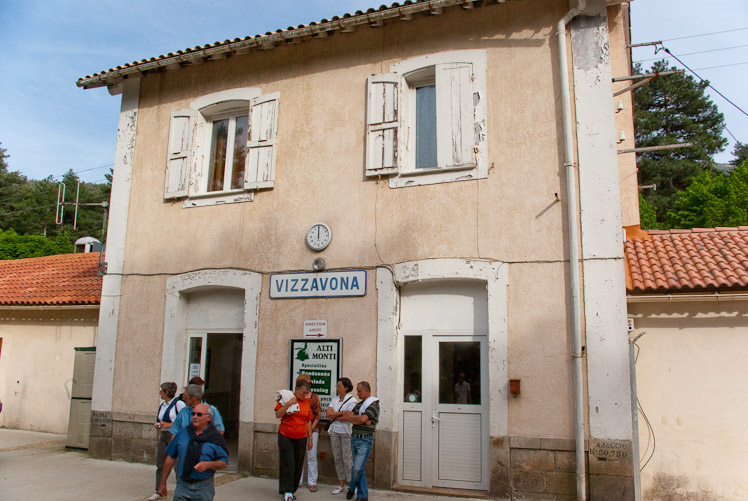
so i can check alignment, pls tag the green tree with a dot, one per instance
(29, 207)
(740, 152)
(648, 215)
(713, 200)
(670, 110)
(15, 246)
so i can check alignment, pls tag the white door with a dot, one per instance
(445, 412)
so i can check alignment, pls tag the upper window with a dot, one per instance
(426, 121)
(222, 148)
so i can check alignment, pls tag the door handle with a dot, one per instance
(434, 419)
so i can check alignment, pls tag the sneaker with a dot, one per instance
(338, 489)
(155, 496)
(288, 496)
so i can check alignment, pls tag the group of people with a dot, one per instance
(190, 436)
(352, 426)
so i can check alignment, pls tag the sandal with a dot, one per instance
(312, 488)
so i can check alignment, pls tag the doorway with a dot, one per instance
(445, 412)
(217, 359)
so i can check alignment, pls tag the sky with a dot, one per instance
(48, 125)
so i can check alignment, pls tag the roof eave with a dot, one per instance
(199, 54)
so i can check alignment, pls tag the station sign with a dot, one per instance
(349, 283)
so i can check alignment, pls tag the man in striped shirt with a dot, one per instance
(364, 416)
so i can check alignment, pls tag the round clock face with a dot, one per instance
(318, 237)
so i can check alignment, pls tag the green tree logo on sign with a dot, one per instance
(302, 354)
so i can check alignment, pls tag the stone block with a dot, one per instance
(611, 457)
(126, 429)
(557, 444)
(100, 447)
(138, 450)
(385, 461)
(565, 461)
(611, 488)
(532, 460)
(524, 443)
(528, 482)
(532, 496)
(246, 446)
(499, 464)
(561, 483)
(101, 424)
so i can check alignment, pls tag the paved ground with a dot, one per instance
(37, 466)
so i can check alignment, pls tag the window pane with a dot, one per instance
(240, 152)
(218, 143)
(426, 127)
(459, 372)
(412, 388)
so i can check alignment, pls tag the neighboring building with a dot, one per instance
(439, 146)
(49, 306)
(688, 300)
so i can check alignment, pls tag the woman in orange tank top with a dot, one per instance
(294, 438)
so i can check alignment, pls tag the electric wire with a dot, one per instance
(707, 81)
(694, 53)
(651, 439)
(722, 66)
(704, 34)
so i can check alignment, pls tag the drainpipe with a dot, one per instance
(571, 201)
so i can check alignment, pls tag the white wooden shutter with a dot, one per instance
(382, 124)
(261, 144)
(179, 159)
(455, 115)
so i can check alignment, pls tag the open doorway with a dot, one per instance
(217, 358)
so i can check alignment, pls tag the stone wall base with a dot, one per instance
(521, 468)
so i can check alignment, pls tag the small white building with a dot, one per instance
(688, 304)
(49, 307)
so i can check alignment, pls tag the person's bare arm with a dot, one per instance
(279, 413)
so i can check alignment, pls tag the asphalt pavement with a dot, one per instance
(36, 465)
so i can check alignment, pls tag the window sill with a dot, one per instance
(425, 172)
(218, 198)
(437, 176)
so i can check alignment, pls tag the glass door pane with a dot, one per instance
(196, 356)
(459, 372)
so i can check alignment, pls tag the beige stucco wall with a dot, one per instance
(513, 216)
(36, 365)
(620, 63)
(691, 375)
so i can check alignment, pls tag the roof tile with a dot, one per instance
(65, 279)
(687, 260)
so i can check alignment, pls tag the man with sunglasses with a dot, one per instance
(193, 395)
(201, 451)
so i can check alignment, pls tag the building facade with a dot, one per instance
(436, 184)
(687, 303)
(49, 307)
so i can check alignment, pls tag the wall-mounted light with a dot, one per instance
(619, 107)
(514, 387)
(621, 137)
(319, 264)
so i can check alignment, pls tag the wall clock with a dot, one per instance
(318, 237)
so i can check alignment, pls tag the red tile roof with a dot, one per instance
(700, 259)
(65, 279)
(373, 17)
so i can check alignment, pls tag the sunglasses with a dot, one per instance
(199, 414)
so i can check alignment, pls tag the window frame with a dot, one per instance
(407, 76)
(190, 137)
